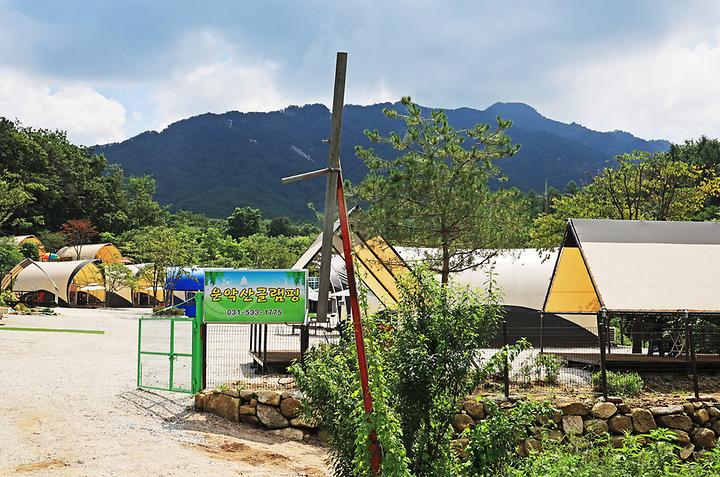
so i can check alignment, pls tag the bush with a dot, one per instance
(168, 311)
(548, 365)
(422, 363)
(620, 384)
(597, 458)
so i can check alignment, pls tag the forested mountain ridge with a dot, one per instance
(212, 163)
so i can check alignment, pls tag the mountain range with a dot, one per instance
(212, 163)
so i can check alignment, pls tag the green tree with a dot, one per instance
(280, 226)
(259, 251)
(641, 187)
(9, 255)
(115, 277)
(30, 250)
(13, 197)
(436, 193)
(166, 250)
(244, 222)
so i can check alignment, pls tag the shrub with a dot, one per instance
(620, 384)
(167, 311)
(422, 364)
(548, 365)
(597, 458)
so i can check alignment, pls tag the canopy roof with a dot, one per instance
(637, 267)
(521, 275)
(21, 239)
(106, 252)
(54, 277)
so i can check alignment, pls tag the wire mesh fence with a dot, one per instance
(257, 356)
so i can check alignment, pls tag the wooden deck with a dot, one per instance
(640, 362)
(275, 358)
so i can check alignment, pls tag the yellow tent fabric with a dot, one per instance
(571, 289)
(105, 252)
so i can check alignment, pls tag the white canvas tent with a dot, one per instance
(624, 266)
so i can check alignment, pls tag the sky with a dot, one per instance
(105, 71)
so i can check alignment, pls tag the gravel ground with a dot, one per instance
(69, 407)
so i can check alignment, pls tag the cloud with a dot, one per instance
(667, 90)
(88, 116)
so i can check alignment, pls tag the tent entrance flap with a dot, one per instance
(571, 289)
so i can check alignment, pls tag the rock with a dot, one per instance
(250, 420)
(302, 422)
(474, 409)
(246, 410)
(619, 424)
(716, 427)
(701, 416)
(603, 410)
(574, 409)
(200, 399)
(289, 433)
(290, 407)
(271, 398)
(323, 434)
(666, 410)
(287, 381)
(624, 408)
(531, 445)
(553, 435)
(461, 422)
(703, 438)
(232, 392)
(271, 417)
(713, 411)
(617, 441)
(642, 420)
(688, 408)
(460, 448)
(681, 437)
(676, 421)
(596, 426)
(223, 406)
(246, 394)
(686, 451)
(572, 424)
(698, 404)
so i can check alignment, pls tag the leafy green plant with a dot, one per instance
(620, 384)
(493, 442)
(423, 361)
(548, 367)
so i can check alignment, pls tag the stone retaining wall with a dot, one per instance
(279, 412)
(696, 424)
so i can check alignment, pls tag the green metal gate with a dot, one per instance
(170, 352)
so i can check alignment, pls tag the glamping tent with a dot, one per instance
(624, 266)
(521, 276)
(73, 283)
(105, 252)
(22, 239)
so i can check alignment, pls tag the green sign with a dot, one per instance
(255, 296)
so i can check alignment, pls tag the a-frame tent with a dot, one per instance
(378, 265)
(625, 266)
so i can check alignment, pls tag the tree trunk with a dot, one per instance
(445, 272)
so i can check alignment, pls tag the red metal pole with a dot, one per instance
(375, 457)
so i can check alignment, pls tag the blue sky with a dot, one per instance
(107, 70)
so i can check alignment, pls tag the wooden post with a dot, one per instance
(601, 340)
(331, 186)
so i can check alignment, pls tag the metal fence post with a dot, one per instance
(693, 362)
(542, 332)
(601, 342)
(304, 342)
(198, 346)
(506, 367)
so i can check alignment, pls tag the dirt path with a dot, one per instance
(69, 407)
